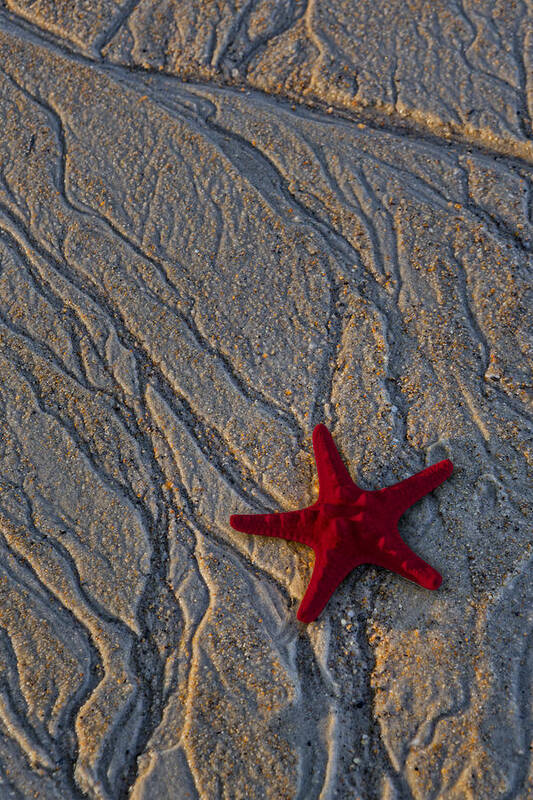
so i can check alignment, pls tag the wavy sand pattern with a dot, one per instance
(220, 224)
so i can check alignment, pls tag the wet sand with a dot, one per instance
(218, 228)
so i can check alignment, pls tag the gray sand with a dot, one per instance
(221, 224)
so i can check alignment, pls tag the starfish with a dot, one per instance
(348, 526)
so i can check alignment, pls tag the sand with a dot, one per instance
(221, 224)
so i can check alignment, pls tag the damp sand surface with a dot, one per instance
(222, 224)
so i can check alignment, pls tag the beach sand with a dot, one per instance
(222, 224)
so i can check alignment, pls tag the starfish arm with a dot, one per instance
(292, 525)
(400, 558)
(333, 478)
(330, 569)
(406, 493)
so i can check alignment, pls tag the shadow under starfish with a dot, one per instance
(348, 526)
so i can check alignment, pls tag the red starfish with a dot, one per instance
(348, 526)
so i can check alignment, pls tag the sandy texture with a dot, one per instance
(221, 224)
